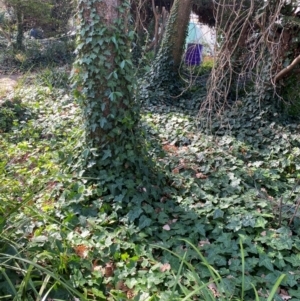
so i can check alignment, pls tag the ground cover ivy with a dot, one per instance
(239, 183)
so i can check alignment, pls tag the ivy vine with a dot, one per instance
(113, 154)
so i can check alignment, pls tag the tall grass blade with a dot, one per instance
(43, 287)
(243, 270)
(10, 284)
(178, 274)
(60, 280)
(255, 292)
(275, 287)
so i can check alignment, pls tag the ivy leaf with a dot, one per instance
(144, 222)
(107, 154)
(260, 222)
(122, 64)
(40, 239)
(266, 262)
(114, 40)
(119, 198)
(133, 214)
(103, 121)
(218, 214)
(200, 229)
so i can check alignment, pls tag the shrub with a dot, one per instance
(10, 112)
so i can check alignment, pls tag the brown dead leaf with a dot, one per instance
(82, 251)
(125, 289)
(284, 295)
(200, 175)
(202, 243)
(122, 286)
(170, 148)
(165, 267)
(108, 270)
(175, 170)
(130, 294)
(214, 289)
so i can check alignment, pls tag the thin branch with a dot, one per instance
(287, 70)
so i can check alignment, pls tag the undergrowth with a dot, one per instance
(232, 193)
(37, 54)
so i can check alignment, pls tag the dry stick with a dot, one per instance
(287, 70)
(235, 27)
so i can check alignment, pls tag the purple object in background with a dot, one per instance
(193, 54)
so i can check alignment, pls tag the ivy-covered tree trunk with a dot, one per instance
(163, 75)
(113, 152)
(172, 47)
(20, 30)
(19, 14)
(174, 40)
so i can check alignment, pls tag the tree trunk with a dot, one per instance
(103, 80)
(20, 30)
(105, 71)
(163, 76)
(174, 39)
(179, 25)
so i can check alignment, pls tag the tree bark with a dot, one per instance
(164, 76)
(20, 30)
(180, 26)
(103, 80)
(111, 92)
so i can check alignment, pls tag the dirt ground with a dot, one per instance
(8, 82)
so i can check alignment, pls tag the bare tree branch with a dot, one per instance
(287, 70)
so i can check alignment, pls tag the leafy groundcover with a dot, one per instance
(236, 184)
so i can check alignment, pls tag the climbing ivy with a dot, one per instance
(113, 153)
(163, 78)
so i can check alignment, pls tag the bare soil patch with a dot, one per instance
(8, 82)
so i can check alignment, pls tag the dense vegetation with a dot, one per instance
(211, 215)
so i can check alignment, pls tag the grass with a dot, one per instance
(221, 231)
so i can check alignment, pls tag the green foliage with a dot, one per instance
(28, 172)
(205, 67)
(51, 15)
(38, 53)
(11, 113)
(162, 80)
(217, 288)
(289, 92)
(113, 155)
(239, 184)
(80, 212)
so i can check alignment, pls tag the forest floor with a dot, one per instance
(232, 191)
(8, 82)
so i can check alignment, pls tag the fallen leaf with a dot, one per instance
(108, 270)
(202, 243)
(82, 251)
(284, 295)
(175, 170)
(200, 175)
(165, 267)
(213, 289)
(167, 227)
